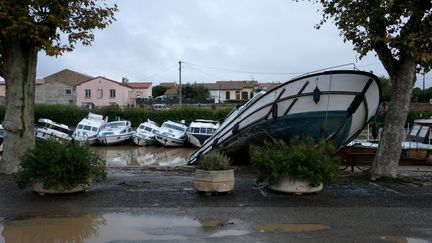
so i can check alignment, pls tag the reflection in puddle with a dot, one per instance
(401, 239)
(126, 155)
(115, 227)
(76, 229)
(291, 228)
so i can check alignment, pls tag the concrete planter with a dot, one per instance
(38, 188)
(291, 185)
(214, 180)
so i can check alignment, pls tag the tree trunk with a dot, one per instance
(387, 157)
(19, 72)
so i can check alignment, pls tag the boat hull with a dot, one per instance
(333, 105)
(140, 141)
(197, 139)
(170, 141)
(115, 139)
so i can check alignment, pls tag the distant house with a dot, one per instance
(141, 89)
(59, 88)
(231, 90)
(172, 90)
(101, 91)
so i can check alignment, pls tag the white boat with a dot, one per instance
(334, 105)
(172, 134)
(46, 128)
(115, 132)
(200, 130)
(145, 133)
(88, 128)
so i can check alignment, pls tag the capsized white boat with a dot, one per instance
(115, 132)
(46, 128)
(172, 134)
(145, 133)
(89, 127)
(334, 105)
(200, 130)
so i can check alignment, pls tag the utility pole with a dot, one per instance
(180, 91)
(424, 74)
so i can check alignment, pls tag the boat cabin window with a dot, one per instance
(80, 126)
(115, 124)
(423, 131)
(196, 130)
(174, 127)
(209, 130)
(94, 129)
(415, 130)
(203, 130)
(86, 127)
(141, 127)
(148, 129)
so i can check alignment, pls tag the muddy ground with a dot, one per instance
(350, 209)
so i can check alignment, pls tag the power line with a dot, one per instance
(207, 74)
(242, 71)
(159, 73)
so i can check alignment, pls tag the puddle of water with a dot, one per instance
(116, 227)
(129, 155)
(402, 239)
(291, 228)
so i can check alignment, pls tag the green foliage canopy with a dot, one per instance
(158, 90)
(395, 29)
(53, 26)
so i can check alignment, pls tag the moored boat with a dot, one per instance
(145, 133)
(334, 105)
(200, 130)
(88, 128)
(115, 132)
(172, 134)
(46, 128)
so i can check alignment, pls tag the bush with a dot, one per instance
(214, 160)
(302, 159)
(70, 115)
(61, 166)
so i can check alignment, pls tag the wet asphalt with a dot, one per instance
(352, 209)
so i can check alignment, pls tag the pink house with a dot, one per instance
(101, 91)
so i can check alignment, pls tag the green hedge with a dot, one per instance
(71, 114)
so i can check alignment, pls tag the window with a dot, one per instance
(227, 95)
(68, 92)
(244, 95)
(99, 93)
(87, 93)
(112, 93)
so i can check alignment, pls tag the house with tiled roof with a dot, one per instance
(101, 91)
(231, 90)
(139, 90)
(59, 88)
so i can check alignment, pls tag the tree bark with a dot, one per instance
(20, 60)
(388, 154)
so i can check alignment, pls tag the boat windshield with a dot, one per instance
(148, 129)
(167, 125)
(52, 126)
(115, 124)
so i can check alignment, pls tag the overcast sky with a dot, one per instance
(264, 40)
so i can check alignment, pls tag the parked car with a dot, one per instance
(159, 107)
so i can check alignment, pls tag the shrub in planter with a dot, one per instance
(301, 158)
(214, 160)
(214, 173)
(60, 166)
